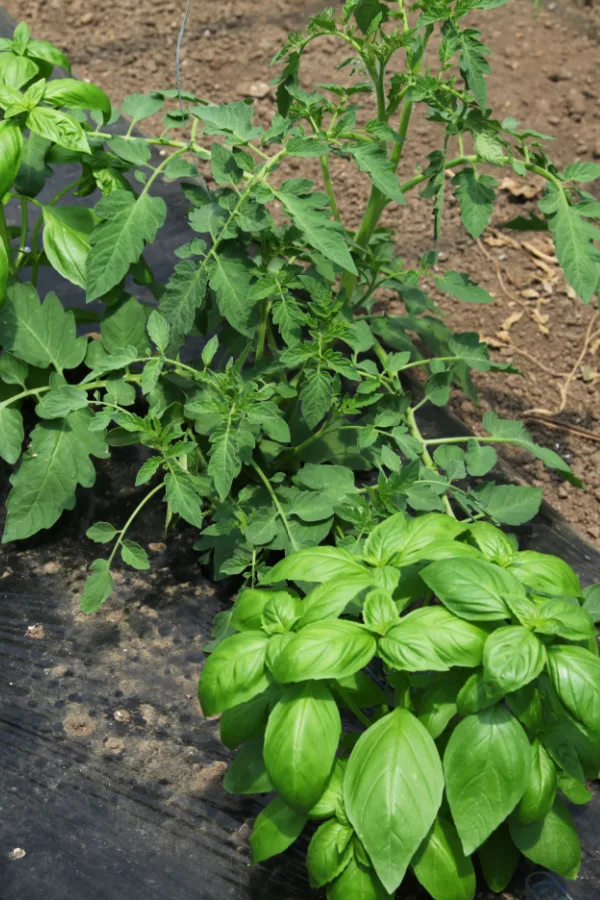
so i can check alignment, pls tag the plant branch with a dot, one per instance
(137, 510)
(276, 502)
(425, 456)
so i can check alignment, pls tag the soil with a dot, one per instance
(544, 73)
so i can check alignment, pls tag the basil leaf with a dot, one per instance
(244, 721)
(11, 152)
(329, 852)
(77, 95)
(275, 829)
(472, 588)
(438, 704)
(301, 741)
(392, 791)
(385, 540)
(421, 534)
(540, 792)
(329, 600)
(441, 866)
(513, 656)
(499, 859)
(575, 674)
(58, 128)
(432, 639)
(591, 603)
(331, 649)
(318, 564)
(357, 882)
(564, 619)
(487, 756)
(545, 574)
(493, 543)
(551, 842)
(66, 239)
(234, 672)
(247, 774)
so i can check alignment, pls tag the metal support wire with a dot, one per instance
(178, 66)
(184, 121)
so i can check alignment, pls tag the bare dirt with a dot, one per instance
(544, 73)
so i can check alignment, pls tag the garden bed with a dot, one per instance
(102, 713)
(546, 65)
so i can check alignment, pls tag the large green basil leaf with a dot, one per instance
(432, 639)
(247, 774)
(472, 588)
(77, 95)
(486, 764)
(15, 71)
(66, 239)
(334, 648)
(249, 605)
(438, 703)
(493, 543)
(329, 852)
(551, 842)
(591, 603)
(513, 656)
(392, 791)
(329, 600)
(441, 866)
(301, 741)
(11, 151)
(422, 534)
(275, 829)
(331, 800)
(59, 128)
(540, 792)
(565, 619)
(499, 859)
(4, 270)
(357, 882)
(319, 564)
(476, 695)
(244, 721)
(575, 675)
(545, 574)
(234, 672)
(385, 539)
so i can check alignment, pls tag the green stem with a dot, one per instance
(352, 705)
(33, 392)
(276, 502)
(329, 187)
(66, 190)
(24, 230)
(158, 142)
(137, 510)
(377, 200)
(262, 330)
(426, 458)
(6, 240)
(466, 438)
